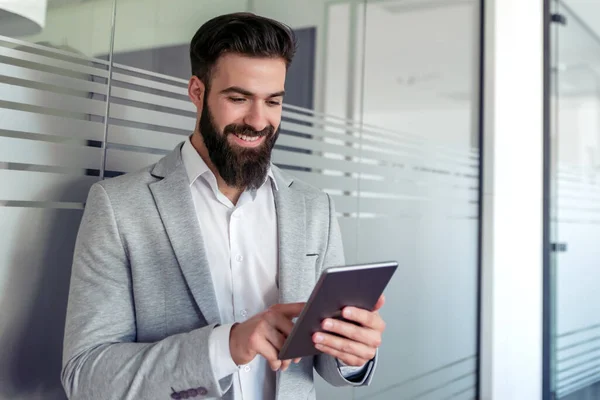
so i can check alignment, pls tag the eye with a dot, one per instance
(274, 103)
(237, 99)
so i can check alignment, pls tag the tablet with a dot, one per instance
(338, 287)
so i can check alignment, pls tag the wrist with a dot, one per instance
(233, 345)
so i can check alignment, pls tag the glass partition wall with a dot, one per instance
(381, 112)
(575, 195)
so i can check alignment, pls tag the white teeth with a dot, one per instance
(248, 138)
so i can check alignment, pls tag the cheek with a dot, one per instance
(275, 118)
(227, 113)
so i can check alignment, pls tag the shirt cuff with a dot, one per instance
(349, 372)
(219, 352)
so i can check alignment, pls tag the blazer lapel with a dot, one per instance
(176, 207)
(291, 227)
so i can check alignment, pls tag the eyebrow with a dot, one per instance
(244, 92)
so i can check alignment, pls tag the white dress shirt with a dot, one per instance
(241, 247)
(240, 242)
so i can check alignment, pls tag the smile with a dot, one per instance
(248, 138)
(248, 141)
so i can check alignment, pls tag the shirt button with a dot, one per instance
(247, 368)
(244, 313)
(239, 258)
(236, 215)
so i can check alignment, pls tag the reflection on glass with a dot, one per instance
(419, 114)
(52, 105)
(575, 214)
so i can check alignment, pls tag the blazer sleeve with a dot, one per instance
(101, 358)
(327, 366)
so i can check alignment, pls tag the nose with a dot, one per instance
(256, 117)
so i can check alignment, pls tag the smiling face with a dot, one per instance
(239, 116)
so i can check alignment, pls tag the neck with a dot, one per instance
(232, 193)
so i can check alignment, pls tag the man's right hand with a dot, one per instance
(264, 334)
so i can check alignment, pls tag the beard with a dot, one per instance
(240, 167)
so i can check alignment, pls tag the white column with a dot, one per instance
(511, 324)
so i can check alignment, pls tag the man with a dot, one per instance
(187, 274)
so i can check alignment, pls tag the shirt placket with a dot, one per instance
(240, 311)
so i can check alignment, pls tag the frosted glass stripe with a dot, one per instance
(568, 388)
(384, 155)
(47, 78)
(158, 118)
(400, 150)
(128, 161)
(578, 357)
(40, 98)
(29, 122)
(42, 153)
(579, 382)
(321, 119)
(53, 62)
(389, 173)
(146, 72)
(413, 206)
(578, 366)
(51, 50)
(45, 205)
(443, 382)
(344, 127)
(41, 186)
(347, 184)
(152, 99)
(149, 84)
(310, 161)
(316, 145)
(143, 137)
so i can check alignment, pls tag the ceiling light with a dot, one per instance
(22, 17)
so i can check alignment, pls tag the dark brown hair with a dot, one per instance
(240, 33)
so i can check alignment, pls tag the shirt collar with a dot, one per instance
(195, 167)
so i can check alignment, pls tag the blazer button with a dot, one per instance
(202, 391)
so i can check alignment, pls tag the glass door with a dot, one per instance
(575, 201)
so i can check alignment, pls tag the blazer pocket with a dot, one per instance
(312, 259)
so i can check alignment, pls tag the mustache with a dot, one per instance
(247, 130)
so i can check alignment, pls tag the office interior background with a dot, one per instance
(384, 112)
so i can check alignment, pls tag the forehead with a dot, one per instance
(262, 76)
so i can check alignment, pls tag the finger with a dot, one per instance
(264, 345)
(290, 310)
(345, 346)
(348, 359)
(270, 354)
(285, 365)
(297, 360)
(368, 319)
(274, 337)
(279, 321)
(369, 337)
(379, 303)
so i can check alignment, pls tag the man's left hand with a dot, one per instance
(358, 343)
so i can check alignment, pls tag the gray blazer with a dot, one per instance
(142, 304)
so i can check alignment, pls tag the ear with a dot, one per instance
(196, 91)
